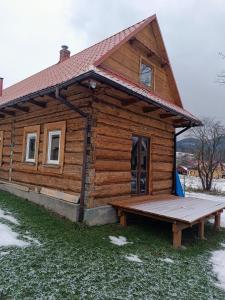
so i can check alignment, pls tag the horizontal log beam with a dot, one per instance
(165, 116)
(8, 112)
(21, 108)
(149, 52)
(124, 101)
(128, 102)
(38, 103)
(150, 109)
(181, 120)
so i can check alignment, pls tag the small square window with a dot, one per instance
(146, 74)
(31, 147)
(54, 147)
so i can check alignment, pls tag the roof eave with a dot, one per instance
(193, 122)
(47, 90)
(94, 75)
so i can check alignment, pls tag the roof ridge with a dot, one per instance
(72, 56)
(105, 39)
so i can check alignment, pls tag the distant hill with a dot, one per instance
(189, 145)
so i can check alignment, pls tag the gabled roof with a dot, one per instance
(72, 67)
(82, 63)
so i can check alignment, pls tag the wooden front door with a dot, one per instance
(139, 165)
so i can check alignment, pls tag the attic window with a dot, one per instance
(146, 74)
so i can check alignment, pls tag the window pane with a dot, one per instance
(144, 153)
(134, 164)
(31, 147)
(139, 165)
(134, 153)
(146, 74)
(54, 151)
(143, 182)
(134, 182)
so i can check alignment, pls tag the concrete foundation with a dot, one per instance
(92, 216)
(100, 215)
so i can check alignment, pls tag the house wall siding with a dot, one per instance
(111, 138)
(67, 179)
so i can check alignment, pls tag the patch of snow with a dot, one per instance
(218, 264)
(134, 258)
(10, 238)
(119, 241)
(167, 260)
(8, 217)
(4, 253)
(33, 240)
(195, 182)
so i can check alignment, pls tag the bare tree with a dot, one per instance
(221, 75)
(209, 153)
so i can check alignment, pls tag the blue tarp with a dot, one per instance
(179, 188)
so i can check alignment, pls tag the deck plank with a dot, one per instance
(188, 210)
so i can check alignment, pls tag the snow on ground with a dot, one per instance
(35, 241)
(119, 241)
(167, 260)
(10, 238)
(8, 216)
(218, 257)
(195, 183)
(218, 264)
(2, 253)
(134, 258)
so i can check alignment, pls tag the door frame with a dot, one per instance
(148, 165)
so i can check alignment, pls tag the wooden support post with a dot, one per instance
(177, 236)
(201, 230)
(217, 221)
(123, 218)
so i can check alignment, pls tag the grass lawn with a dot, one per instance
(79, 262)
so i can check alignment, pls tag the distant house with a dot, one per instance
(96, 127)
(182, 170)
(218, 173)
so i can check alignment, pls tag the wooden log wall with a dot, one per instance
(126, 61)
(109, 168)
(13, 169)
(111, 139)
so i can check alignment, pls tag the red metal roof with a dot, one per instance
(81, 63)
(72, 67)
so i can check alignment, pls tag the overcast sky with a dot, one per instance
(31, 33)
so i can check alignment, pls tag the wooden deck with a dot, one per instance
(181, 212)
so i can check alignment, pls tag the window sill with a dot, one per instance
(29, 163)
(139, 195)
(147, 87)
(55, 166)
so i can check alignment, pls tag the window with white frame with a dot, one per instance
(31, 147)
(54, 147)
(146, 74)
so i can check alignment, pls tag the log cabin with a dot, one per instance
(97, 130)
